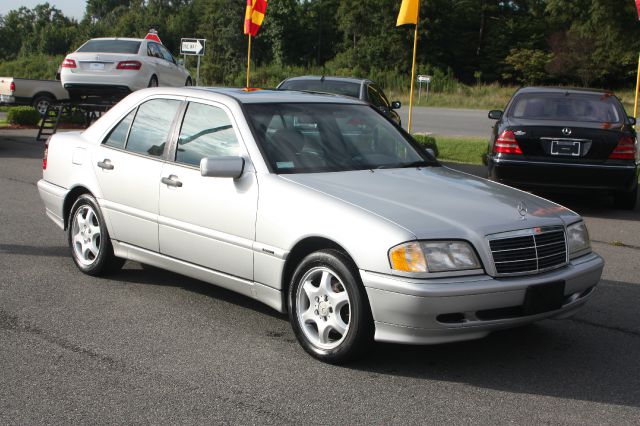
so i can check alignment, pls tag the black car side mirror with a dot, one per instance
(632, 121)
(495, 114)
(396, 105)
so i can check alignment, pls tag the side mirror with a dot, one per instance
(224, 167)
(495, 114)
(396, 105)
(431, 152)
(632, 121)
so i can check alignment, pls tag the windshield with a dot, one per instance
(110, 46)
(568, 107)
(315, 137)
(343, 88)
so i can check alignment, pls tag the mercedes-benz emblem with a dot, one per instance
(522, 210)
(566, 131)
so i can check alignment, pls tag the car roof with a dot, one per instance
(329, 78)
(569, 90)
(117, 38)
(255, 96)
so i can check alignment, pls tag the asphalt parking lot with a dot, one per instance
(148, 346)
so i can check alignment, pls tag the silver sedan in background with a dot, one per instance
(317, 206)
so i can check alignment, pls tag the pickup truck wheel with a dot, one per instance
(89, 240)
(329, 309)
(41, 103)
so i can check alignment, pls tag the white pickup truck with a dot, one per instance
(25, 91)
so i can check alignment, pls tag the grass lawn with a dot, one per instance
(459, 150)
(487, 97)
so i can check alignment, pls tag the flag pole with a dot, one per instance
(248, 60)
(413, 71)
(635, 105)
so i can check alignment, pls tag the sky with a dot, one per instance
(70, 8)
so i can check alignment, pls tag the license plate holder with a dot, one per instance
(568, 148)
(96, 66)
(545, 297)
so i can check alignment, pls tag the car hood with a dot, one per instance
(437, 202)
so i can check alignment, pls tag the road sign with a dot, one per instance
(192, 46)
(424, 79)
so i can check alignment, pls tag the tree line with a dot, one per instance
(571, 42)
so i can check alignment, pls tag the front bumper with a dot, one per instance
(554, 176)
(464, 308)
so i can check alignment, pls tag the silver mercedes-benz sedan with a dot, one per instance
(317, 206)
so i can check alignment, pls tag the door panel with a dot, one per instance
(205, 220)
(128, 166)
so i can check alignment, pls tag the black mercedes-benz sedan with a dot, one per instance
(565, 140)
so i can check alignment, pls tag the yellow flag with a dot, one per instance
(408, 12)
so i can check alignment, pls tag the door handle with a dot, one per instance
(172, 180)
(105, 164)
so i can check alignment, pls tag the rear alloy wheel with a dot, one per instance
(188, 82)
(153, 82)
(328, 308)
(626, 200)
(89, 240)
(41, 103)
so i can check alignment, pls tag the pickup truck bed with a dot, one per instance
(25, 91)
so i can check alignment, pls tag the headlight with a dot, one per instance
(433, 256)
(578, 240)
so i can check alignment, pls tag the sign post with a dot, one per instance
(423, 79)
(193, 47)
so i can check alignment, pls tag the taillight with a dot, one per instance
(68, 63)
(507, 144)
(625, 150)
(12, 86)
(129, 65)
(46, 153)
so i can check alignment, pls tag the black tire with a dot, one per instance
(41, 103)
(153, 81)
(356, 314)
(189, 82)
(89, 239)
(626, 200)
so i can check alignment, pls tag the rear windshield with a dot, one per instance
(343, 88)
(110, 46)
(568, 107)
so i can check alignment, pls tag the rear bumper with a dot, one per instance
(53, 197)
(101, 90)
(464, 308)
(555, 177)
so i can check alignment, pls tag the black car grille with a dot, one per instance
(542, 249)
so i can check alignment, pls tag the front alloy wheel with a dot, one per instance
(328, 307)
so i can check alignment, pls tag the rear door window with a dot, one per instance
(150, 129)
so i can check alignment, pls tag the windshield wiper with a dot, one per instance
(421, 163)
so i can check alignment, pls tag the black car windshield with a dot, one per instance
(343, 88)
(110, 46)
(319, 137)
(566, 107)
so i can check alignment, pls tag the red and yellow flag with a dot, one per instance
(409, 12)
(254, 16)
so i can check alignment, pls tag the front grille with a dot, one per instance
(529, 251)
